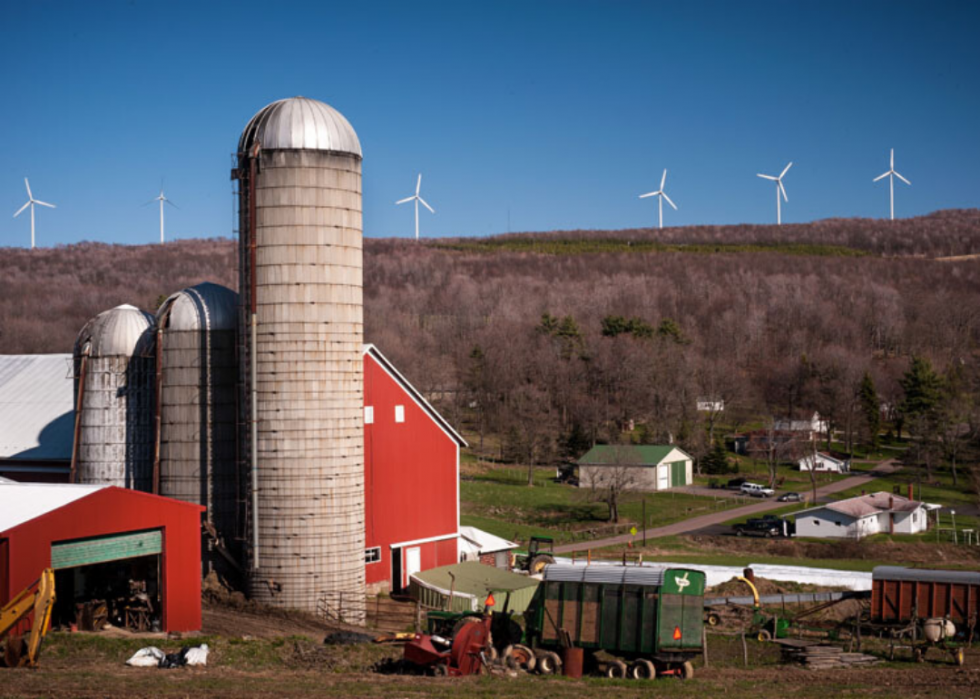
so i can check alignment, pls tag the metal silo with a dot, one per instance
(196, 389)
(299, 172)
(114, 367)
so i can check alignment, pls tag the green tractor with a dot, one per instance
(540, 552)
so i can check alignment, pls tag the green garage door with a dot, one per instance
(81, 552)
(678, 473)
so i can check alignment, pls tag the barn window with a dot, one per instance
(368, 414)
(372, 555)
(816, 522)
(837, 523)
(399, 413)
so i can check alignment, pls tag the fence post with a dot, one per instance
(704, 645)
(745, 650)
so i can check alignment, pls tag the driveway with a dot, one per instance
(701, 522)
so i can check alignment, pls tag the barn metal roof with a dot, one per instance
(615, 575)
(300, 123)
(23, 502)
(205, 305)
(36, 407)
(963, 577)
(118, 332)
(628, 454)
(479, 541)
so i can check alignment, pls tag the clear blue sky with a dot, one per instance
(560, 112)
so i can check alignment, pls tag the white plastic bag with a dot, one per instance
(198, 655)
(146, 657)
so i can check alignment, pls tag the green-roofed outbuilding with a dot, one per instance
(474, 581)
(648, 466)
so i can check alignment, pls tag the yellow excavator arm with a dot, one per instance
(38, 597)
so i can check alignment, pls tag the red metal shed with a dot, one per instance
(79, 529)
(411, 477)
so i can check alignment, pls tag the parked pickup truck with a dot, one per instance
(756, 490)
(767, 526)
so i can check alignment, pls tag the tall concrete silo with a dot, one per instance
(197, 389)
(114, 368)
(299, 171)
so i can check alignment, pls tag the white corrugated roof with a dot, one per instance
(300, 123)
(36, 406)
(478, 541)
(23, 502)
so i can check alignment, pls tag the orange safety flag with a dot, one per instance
(490, 601)
(677, 633)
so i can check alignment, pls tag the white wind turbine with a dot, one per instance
(417, 198)
(661, 195)
(31, 201)
(161, 198)
(891, 175)
(779, 188)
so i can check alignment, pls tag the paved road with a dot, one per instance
(696, 523)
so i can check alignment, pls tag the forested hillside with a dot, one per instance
(554, 339)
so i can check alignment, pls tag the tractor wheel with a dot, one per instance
(520, 657)
(764, 636)
(713, 619)
(687, 670)
(440, 670)
(616, 670)
(539, 562)
(643, 670)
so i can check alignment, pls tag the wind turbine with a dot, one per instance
(161, 198)
(661, 195)
(891, 175)
(31, 201)
(416, 198)
(779, 188)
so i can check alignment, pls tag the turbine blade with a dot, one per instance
(781, 176)
(426, 205)
(881, 176)
(406, 199)
(171, 203)
(28, 185)
(782, 189)
(768, 177)
(903, 179)
(149, 202)
(893, 159)
(649, 194)
(418, 185)
(44, 203)
(21, 209)
(663, 180)
(669, 201)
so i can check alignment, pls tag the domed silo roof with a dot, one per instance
(205, 305)
(299, 123)
(118, 332)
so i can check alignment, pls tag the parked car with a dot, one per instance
(756, 490)
(767, 526)
(790, 497)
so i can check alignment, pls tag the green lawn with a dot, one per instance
(500, 502)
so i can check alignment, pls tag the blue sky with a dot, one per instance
(559, 113)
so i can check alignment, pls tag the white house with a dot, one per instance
(706, 404)
(815, 426)
(864, 515)
(821, 462)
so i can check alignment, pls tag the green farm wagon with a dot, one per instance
(635, 621)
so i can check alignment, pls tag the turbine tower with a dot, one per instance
(161, 198)
(661, 195)
(891, 175)
(416, 198)
(779, 188)
(31, 201)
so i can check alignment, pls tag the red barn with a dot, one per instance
(98, 538)
(411, 479)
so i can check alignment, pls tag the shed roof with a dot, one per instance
(628, 454)
(484, 542)
(474, 578)
(36, 407)
(22, 502)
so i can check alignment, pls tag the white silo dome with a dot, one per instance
(117, 332)
(299, 123)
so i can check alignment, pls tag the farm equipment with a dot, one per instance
(630, 621)
(540, 552)
(465, 653)
(38, 597)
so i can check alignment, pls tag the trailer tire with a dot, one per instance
(687, 670)
(548, 663)
(616, 670)
(643, 670)
(712, 619)
(764, 636)
(519, 657)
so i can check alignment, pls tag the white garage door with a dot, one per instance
(663, 477)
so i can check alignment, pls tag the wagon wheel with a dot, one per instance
(643, 669)
(764, 636)
(440, 670)
(687, 670)
(548, 663)
(616, 670)
(519, 657)
(713, 619)
(491, 654)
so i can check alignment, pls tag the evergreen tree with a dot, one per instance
(715, 462)
(923, 390)
(870, 407)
